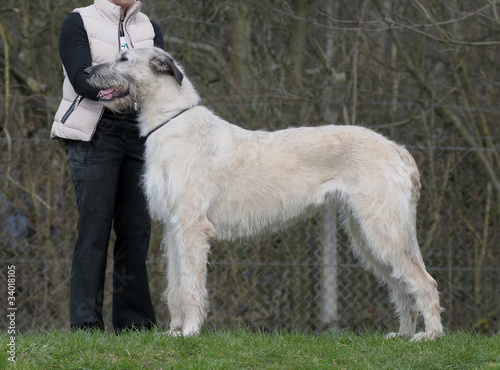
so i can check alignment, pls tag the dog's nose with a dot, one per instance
(88, 71)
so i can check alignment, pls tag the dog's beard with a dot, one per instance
(117, 99)
(119, 104)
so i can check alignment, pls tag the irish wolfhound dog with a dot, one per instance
(206, 178)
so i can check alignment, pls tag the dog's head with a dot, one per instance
(131, 76)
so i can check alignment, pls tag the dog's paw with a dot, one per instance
(174, 333)
(190, 332)
(183, 333)
(424, 335)
(392, 335)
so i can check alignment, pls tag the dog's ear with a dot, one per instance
(164, 64)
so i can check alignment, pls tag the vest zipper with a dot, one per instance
(131, 13)
(127, 35)
(120, 31)
(71, 108)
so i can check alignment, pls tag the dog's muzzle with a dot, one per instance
(106, 94)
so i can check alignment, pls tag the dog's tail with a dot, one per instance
(408, 160)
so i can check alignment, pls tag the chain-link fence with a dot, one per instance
(283, 280)
(267, 283)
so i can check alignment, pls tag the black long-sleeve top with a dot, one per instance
(75, 54)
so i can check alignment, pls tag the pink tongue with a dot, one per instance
(103, 93)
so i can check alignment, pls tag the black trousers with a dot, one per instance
(106, 174)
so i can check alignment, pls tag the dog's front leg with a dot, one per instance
(191, 249)
(172, 295)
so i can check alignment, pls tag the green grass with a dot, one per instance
(244, 349)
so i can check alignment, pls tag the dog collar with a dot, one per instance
(164, 123)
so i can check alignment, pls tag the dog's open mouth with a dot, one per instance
(112, 93)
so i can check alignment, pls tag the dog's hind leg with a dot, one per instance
(404, 302)
(391, 251)
(405, 308)
(418, 289)
(424, 288)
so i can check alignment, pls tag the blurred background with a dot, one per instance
(425, 73)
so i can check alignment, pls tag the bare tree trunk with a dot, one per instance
(298, 44)
(240, 46)
(240, 59)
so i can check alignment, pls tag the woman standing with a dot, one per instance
(105, 157)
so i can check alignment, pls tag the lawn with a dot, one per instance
(245, 349)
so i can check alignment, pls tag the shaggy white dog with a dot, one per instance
(206, 178)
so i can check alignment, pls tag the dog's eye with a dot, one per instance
(123, 58)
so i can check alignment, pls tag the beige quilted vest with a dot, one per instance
(76, 117)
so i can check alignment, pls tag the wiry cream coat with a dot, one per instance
(206, 178)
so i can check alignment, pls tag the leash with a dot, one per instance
(164, 123)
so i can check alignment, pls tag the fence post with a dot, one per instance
(329, 271)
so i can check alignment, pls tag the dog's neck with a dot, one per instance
(155, 110)
(166, 122)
